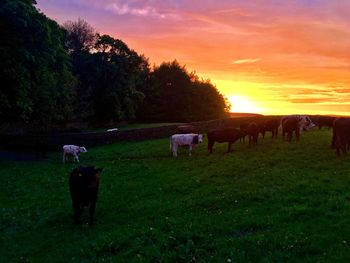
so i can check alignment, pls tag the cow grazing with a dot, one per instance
(271, 126)
(243, 128)
(72, 150)
(83, 187)
(291, 123)
(325, 121)
(253, 133)
(229, 135)
(183, 129)
(341, 135)
(189, 140)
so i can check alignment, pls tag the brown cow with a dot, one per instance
(243, 128)
(290, 124)
(325, 121)
(83, 186)
(271, 126)
(341, 135)
(253, 133)
(184, 129)
(229, 135)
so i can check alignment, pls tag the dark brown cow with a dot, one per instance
(271, 126)
(253, 133)
(83, 186)
(326, 121)
(229, 135)
(243, 128)
(184, 129)
(341, 135)
(290, 124)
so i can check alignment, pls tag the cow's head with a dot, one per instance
(198, 138)
(305, 123)
(89, 175)
(82, 149)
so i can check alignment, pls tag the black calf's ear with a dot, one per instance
(99, 170)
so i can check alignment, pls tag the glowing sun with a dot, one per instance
(243, 104)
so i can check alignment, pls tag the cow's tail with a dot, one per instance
(171, 144)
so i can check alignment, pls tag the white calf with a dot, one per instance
(73, 150)
(190, 140)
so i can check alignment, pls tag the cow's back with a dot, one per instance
(341, 127)
(290, 123)
(224, 135)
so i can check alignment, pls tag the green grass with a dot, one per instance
(278, 202)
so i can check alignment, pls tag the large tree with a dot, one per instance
(36, 82)
(177, 95)
(109, 73)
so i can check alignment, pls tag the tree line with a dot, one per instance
(54, 73)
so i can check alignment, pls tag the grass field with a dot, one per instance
(278, 202)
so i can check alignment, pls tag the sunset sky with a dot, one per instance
(265, 56)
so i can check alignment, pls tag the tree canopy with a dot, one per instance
(36, 77)
(177, 95)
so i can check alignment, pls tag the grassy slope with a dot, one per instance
(279, 202)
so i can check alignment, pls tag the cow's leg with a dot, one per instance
(229, 147)
(297, 134)
(190, 150)
(344, 145)
(77, 211)
(76, 157)
(174, 150)
(91, 212)
(64, 157)
(334, 140)
(210, 146)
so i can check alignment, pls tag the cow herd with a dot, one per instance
(293, 124)
(84, 181)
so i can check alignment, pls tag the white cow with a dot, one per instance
(73, 150)
(189, 139)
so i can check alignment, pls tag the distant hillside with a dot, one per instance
(240, 115)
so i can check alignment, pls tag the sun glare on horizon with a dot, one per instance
(243, 104)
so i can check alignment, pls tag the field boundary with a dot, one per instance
(37, 142)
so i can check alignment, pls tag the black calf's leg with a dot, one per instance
(77, 211)
(91, 214)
